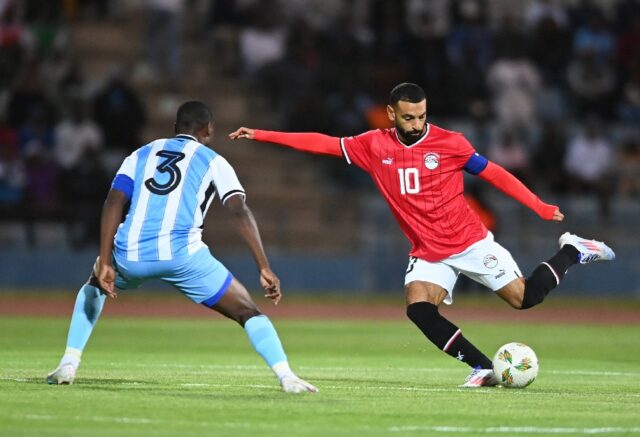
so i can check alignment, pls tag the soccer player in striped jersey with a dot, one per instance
(417, 167)
(170, 184)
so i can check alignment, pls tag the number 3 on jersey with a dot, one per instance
(409, 180)
(169, 165)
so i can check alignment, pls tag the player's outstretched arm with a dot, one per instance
(111, 217)
(304, 141)
(510, 185)
(248, 229)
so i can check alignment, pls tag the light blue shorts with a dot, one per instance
(200, 277)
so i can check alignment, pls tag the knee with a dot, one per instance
(514, 293)
(245, 314)
(517, 301)
(519, 306)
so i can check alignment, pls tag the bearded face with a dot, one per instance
(410, 120)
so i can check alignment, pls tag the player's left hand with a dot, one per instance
(549, 212)
(106, 276)
(557, 216)
(271, 285)
(243, 132)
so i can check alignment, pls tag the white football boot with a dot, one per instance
(590, 250)
(293, 384)
(64, 374)
(480, 378)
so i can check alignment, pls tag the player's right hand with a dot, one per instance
(242, 133)
(271, 285)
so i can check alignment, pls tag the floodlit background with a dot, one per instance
(548, 89)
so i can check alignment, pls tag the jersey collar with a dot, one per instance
(426, 134)
(191, 137)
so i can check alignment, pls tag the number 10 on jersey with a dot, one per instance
(409, 180)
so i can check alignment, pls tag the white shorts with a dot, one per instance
(485, 261)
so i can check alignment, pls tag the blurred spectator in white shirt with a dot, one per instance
(588, 162)
(263, 42)
(74, 136)
(514, 83)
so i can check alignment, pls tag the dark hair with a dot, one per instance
(192, 116)
(407, 92)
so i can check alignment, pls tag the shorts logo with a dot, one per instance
(431, 160)
(490, 261)
(500, 274)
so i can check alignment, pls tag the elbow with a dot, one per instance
(242, 211)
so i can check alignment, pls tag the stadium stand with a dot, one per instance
(326, 67)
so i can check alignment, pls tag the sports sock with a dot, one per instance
(71, 356)
(86, 311)
(265, 341)
(548, 275)
(445, 335)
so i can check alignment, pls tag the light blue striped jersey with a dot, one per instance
(171, 183)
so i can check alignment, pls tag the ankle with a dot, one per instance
(282, 370)
(71, 356)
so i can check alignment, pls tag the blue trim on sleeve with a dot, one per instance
(218, 295)
(476, 164)
(123, 183)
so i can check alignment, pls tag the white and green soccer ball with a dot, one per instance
(515, 365)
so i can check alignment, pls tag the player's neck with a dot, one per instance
(193, 137)
(406, 144)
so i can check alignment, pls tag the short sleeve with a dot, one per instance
(357, 149)
(464, 151)
(128, 167)
(225, 179)
(124, 179)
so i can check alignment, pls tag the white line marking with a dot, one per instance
(371, 369)
(514, 430)
(593, 373)
(411, 389)
(402, 429)
(146, 421)
(340, 387)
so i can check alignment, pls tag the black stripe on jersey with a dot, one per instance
(231, 193)
(211, 189)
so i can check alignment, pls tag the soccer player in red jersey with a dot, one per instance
(417, 167)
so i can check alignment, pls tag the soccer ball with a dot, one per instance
(515, 365)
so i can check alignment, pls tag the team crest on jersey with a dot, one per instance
(490, 261)
(432, 160)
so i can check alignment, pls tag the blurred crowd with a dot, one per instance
(60, 134)
(549, 89)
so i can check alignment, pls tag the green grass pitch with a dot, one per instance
(201, 377)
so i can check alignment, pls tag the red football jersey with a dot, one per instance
(423, 185)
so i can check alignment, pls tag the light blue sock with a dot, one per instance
(265, 341)
(86, 311)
